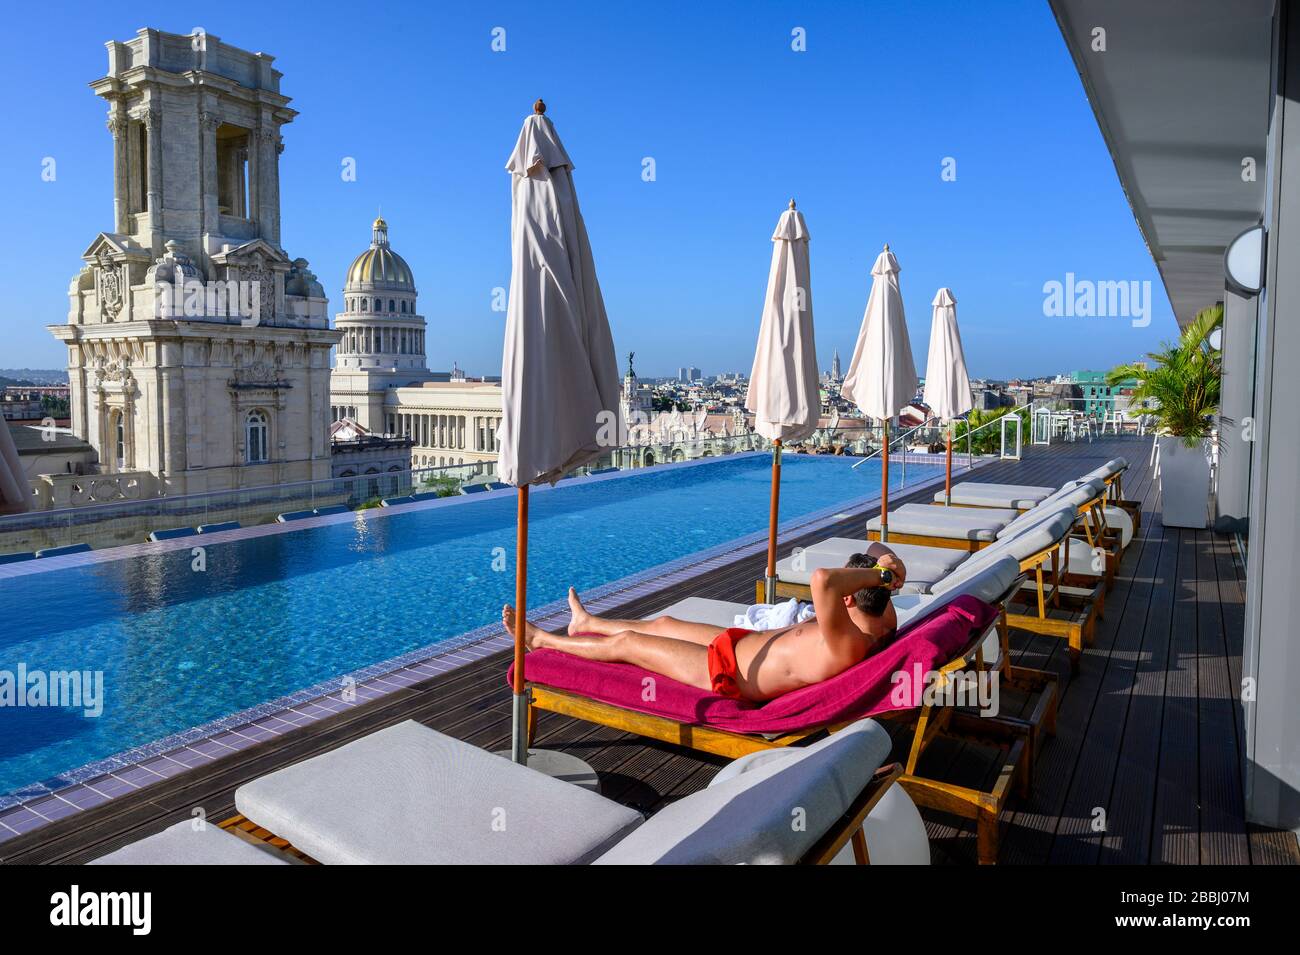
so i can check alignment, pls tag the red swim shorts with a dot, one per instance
(722, 662)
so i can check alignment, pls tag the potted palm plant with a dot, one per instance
(1180, 388)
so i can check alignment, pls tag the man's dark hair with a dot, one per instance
(870, 600)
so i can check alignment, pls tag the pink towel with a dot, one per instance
(860, 691)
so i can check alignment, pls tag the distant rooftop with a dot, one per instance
(34, 439)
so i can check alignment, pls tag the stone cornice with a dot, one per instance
(373, 320)
(179, 329)
(130, 82)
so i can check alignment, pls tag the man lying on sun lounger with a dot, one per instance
(855, 618)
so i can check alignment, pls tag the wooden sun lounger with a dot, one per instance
(846, 831)
(1018, 739)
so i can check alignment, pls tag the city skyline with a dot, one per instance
(449, 208)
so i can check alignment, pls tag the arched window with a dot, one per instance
(364, 304)
(392, 306)
(379, 305)
(403, 306)
(256, 438)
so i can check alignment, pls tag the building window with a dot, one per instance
(403, 306)
(256, 438)
(118, 425)
(378, 305)
(392, 306)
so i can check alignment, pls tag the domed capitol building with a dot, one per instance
(381, 382)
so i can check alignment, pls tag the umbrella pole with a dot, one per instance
(519, 722)
(947, 475)
(769, 588)
(884, 490)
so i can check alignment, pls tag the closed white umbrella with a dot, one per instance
(783, 390)
(882, 377)
(559, 378)
(947, 383)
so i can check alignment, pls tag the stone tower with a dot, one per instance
(198, 351)
(635, 402)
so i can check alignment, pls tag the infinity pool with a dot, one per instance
(277, 613)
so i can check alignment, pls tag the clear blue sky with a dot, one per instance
(855, 128)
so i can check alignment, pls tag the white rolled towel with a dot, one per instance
(774, 616)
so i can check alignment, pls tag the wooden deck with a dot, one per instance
(1145, 766)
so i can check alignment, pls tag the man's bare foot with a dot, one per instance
(531, 630)
(580, 619)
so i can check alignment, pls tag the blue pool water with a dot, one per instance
(278, 613)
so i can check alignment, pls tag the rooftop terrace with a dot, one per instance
(1149, 730)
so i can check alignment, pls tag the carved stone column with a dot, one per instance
(249, 160)
(276, 147)
(117, 125)
(208, 187)
(153, 127)
(242, 187)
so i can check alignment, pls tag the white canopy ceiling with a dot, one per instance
(1181, 93)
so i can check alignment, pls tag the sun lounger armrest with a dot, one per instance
(829, 845)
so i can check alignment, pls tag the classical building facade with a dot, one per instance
(381, 379)
(450, 422)
(198, 350)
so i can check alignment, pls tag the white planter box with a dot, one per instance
(1184, 484)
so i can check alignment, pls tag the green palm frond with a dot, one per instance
(1183, 380)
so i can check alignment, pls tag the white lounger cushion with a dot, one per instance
(720, 613)
(923, 563)
(182, 844)
(1107, 470)
(1019, 496)
(1047, 528)
(1031, 540)
(411, 795)
(1075, 495)
(989, 583)
(1023, 496)
(955, 523)
(748, 819)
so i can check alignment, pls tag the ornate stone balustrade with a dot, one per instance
(51, 491)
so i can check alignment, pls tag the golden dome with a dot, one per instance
(379, 267)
